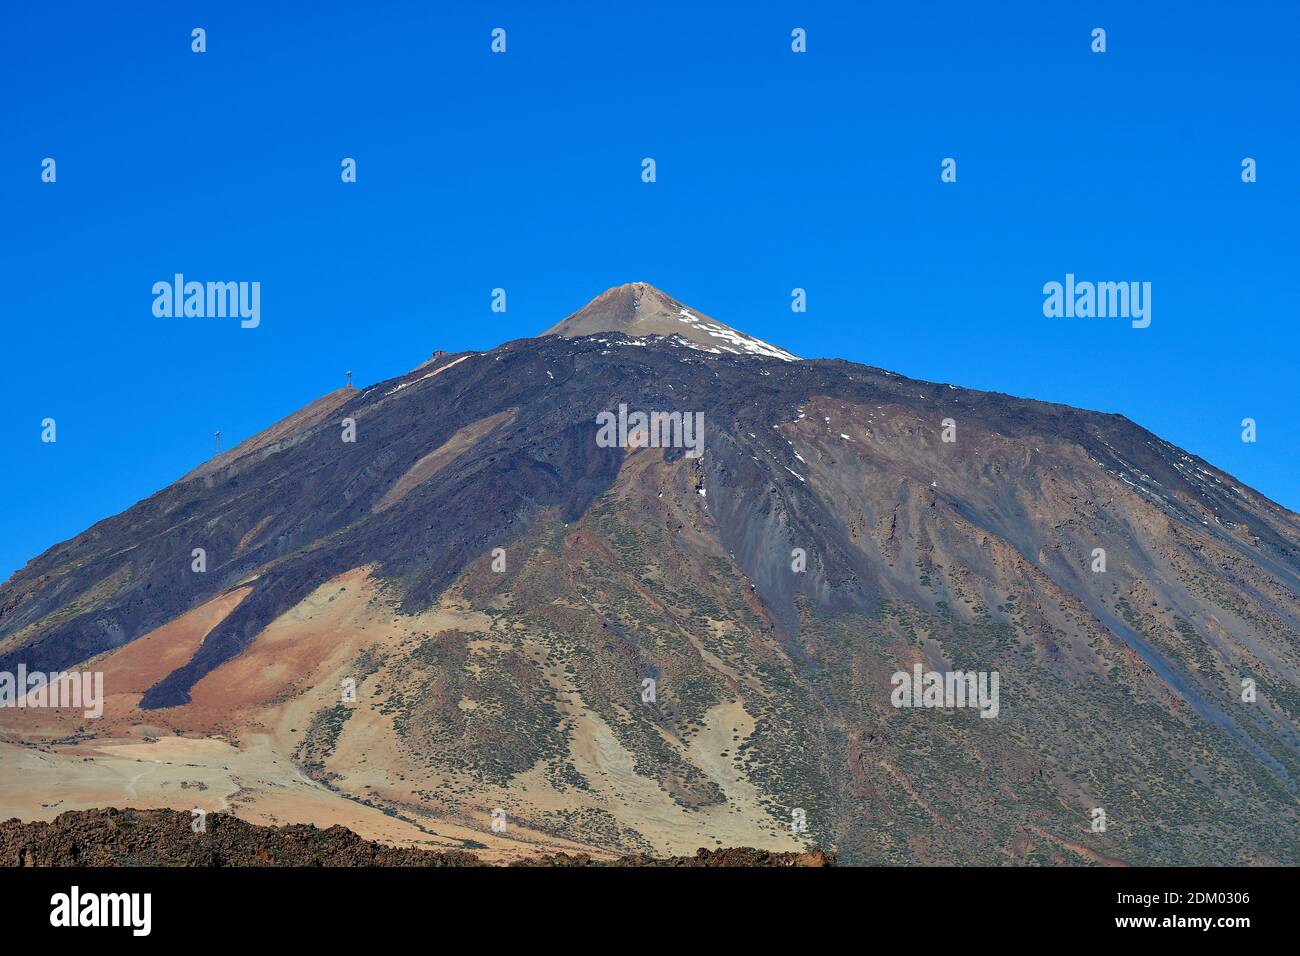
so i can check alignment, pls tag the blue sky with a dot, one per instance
(522, 171)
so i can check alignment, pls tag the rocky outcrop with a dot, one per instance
(165, 838)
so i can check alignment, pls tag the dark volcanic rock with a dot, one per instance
(164, 838)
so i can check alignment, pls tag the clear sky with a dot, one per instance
(775, 170)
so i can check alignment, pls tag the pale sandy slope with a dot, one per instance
(232, 748)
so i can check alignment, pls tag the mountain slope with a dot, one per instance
(514, 680)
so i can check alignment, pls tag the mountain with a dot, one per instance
(638, 309)
(499, 584)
